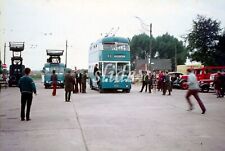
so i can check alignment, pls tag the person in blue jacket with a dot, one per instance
(27, 88)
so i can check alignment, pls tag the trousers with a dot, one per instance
(26, 100)
(195, 94)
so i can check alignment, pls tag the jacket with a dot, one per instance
(69, 81)
(26, 85)
(192, 82)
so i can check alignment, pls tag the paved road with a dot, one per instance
(111, 122)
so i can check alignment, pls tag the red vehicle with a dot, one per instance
(203, 76)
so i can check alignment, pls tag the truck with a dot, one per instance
(54, 63)
(203, 75)
(16, 68)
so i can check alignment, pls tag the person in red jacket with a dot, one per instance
(54, 82)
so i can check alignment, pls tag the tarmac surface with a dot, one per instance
(111, 122)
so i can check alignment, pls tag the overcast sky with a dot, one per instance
(47, 24)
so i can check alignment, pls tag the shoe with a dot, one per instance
(22, 119)
(140, 91)
(190, 109)
(203, 112)
(28, 119)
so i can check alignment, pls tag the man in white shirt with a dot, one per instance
(193, 88)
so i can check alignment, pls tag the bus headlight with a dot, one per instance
(106, 80)
(127, 80)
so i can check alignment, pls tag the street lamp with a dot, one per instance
(150, 39)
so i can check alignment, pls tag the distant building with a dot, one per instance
(156, 64)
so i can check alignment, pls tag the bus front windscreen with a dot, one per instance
(109, 68)
(58, 70)
(122, 68)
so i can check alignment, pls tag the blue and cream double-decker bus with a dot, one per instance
(112, 55)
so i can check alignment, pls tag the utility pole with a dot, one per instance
(66, 55)
(175, 58)
(149, 57)
(4, 52)
(150, 47)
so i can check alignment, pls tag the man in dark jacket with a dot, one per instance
(27, 88)
(83, 82)
(166, 84)
(144, 81)
(75, 89)
(69, 81)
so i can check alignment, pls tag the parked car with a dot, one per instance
(175, 79)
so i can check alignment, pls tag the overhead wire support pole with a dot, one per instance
(4, 52)
(66, 55)
(143, 25)
(175, 58)
(150, 46)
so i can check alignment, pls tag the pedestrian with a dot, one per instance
(98, 78)
(150, 82)
(144, 81)
(160, 80)
(95, 69)
(222, 79)
(69, 81)
(218, 85)
(27, 88)
(154, 81)
(167, 84)
(193, 88)
(83, 82)
(54, 80)
(78, 79)
(75, 88)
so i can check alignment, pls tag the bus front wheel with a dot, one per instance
(126, 90)
(101, 90)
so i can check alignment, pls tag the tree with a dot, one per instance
(139, 46)
(202, 40)
(220, 51)
(169, 47)
(163, 47)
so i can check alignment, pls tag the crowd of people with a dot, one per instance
(75, 82)
(160, 81)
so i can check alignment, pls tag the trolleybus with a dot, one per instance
(112, 55)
